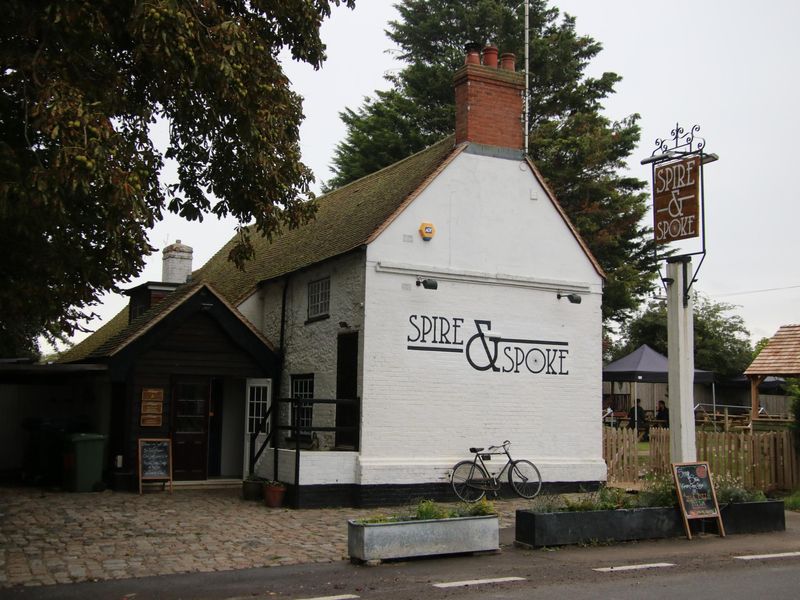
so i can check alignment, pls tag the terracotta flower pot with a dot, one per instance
(273, 495)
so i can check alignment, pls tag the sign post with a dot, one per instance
(678, 215)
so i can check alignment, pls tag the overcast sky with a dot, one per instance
(730, 67)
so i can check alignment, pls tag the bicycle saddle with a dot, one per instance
(474, 450)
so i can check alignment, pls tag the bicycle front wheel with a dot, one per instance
(525, 478)
(466, 478)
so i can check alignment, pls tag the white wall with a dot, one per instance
(315, 467)
(500, 254)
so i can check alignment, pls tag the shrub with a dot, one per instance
(606, 498)
(480, 509)
(731, 489)
(428, 509)
(658, 490)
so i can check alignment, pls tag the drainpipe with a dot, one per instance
(277, 389)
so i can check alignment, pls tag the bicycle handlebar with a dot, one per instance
(505, 444)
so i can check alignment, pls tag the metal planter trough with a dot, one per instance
(407, 539)
(562, 528)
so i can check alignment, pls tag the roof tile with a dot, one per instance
(781, 355)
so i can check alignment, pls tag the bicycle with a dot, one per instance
(471, 479)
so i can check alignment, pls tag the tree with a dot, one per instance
(721, 340)
(579, 151)
(82, 83)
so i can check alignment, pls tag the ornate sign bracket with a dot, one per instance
(678, 197)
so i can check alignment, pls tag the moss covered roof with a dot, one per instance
(346, 219)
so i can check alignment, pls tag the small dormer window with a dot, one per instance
(319, 296)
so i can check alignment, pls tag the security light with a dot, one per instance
(573, 298)
(428, 284)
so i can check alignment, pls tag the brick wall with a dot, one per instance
(489, 106)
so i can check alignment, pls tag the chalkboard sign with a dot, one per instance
(696, 494)
(155, 460)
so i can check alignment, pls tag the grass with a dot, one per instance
(792, 502)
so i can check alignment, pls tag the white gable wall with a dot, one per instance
(500, 254)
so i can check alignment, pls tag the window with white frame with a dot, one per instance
(319, 297)
(257, 406)
(303, 387)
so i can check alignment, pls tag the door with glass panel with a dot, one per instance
(190, 429)
(258, 401)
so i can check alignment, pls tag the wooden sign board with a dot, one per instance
(676, 200)
(696, 494)
(154, 394)
(155, 461)
(152, 407)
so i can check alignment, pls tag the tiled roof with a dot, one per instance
(117, 334)
(346, 219)
(781, 355)
(97, 339)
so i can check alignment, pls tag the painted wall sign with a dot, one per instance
(676, 200)
(485, 350)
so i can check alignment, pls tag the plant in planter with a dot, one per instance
(612, 515)
(253, 487)
(273, 493)
(430, 530)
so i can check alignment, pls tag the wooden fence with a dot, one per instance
(620, 453)
(761, 460)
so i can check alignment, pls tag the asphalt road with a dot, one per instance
(706, 567)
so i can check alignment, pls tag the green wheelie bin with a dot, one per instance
(83, 462)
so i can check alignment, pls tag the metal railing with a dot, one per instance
(298, 432)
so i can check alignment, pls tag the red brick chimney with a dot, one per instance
(489, 100)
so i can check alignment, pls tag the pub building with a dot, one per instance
(443, 302)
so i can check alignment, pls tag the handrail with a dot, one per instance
(295, 427)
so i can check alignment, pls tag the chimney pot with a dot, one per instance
(508, 61)
(490, 57)
(489, 102)
(472, 56)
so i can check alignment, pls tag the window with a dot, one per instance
(303, 387)
(319, 295)
(258, 404)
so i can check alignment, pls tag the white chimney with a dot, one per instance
(176, 266)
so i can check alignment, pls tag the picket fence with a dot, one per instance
(620, 453)
(762, 460)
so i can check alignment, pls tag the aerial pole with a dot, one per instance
(527, 72)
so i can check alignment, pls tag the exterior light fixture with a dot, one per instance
(573, 298)
(428, 284)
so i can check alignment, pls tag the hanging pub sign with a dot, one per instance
(676, 200)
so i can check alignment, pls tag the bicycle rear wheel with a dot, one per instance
(525, 478)
(465, 478)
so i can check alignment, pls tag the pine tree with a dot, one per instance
(579, 151)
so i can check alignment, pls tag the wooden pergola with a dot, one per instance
(780, 357)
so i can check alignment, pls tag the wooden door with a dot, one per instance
(347, 415)
(190, 429)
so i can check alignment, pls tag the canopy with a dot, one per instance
(645, 365)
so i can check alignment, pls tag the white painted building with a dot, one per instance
(495, 352)
(447, 295)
